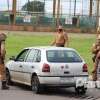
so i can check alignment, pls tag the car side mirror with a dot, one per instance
(12, 58)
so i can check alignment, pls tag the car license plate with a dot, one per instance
(66, 80)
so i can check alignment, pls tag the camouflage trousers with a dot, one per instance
(94, 76)
(2, 72)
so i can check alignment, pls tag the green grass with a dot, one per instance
(83, 45)
(81, 42)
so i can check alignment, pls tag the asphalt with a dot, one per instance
(21, 92)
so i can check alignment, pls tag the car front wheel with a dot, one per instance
(8, 78)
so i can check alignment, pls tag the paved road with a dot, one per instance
(24, 93)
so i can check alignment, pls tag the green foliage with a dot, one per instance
(34, 6)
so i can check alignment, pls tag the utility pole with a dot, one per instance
(13, 15)
(98, 13)
(90, 13)
(58, 12)
(54, 7)
(8, 10)
(75, 8)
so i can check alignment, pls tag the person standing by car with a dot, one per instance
(96, 57)
(61, 38)
(2, 58)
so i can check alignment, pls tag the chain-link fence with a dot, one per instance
(74, 15)
(45, 20)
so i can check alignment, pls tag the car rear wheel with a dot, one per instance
(80, 90)
(36, 88)
(8, 78)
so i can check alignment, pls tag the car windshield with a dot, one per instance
(64, 56)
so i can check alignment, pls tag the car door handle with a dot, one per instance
(20, 66)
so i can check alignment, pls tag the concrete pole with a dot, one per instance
(75, 8)
(14, 11)
(90, 13)
(98, 13)
(58, 11)
(54, 7)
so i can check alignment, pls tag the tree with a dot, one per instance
(34, 6)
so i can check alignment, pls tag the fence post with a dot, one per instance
(97, 14)
(90, 13)
(14, 11)
(58, 12)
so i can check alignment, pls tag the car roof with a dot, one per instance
(49, 48)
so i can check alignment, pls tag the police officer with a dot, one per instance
(2, 58)
(96, 57)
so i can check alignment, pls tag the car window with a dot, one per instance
(34, 56)
(62, 56)
(38, 56)
(22, 55)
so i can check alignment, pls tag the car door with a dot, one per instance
(31, 64)
(17, 67)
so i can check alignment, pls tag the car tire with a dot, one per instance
(36, 88)
(8, 78)
(80, 90)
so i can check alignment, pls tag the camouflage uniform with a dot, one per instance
(96, 57)
(98, 30)
(2, 57)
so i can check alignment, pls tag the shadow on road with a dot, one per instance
(22, 87)
(61, 92)
(68, 92)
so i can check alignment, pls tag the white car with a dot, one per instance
(40, 67)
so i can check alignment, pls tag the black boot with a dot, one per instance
(4, 85)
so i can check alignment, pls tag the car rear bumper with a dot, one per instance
(61, 81)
